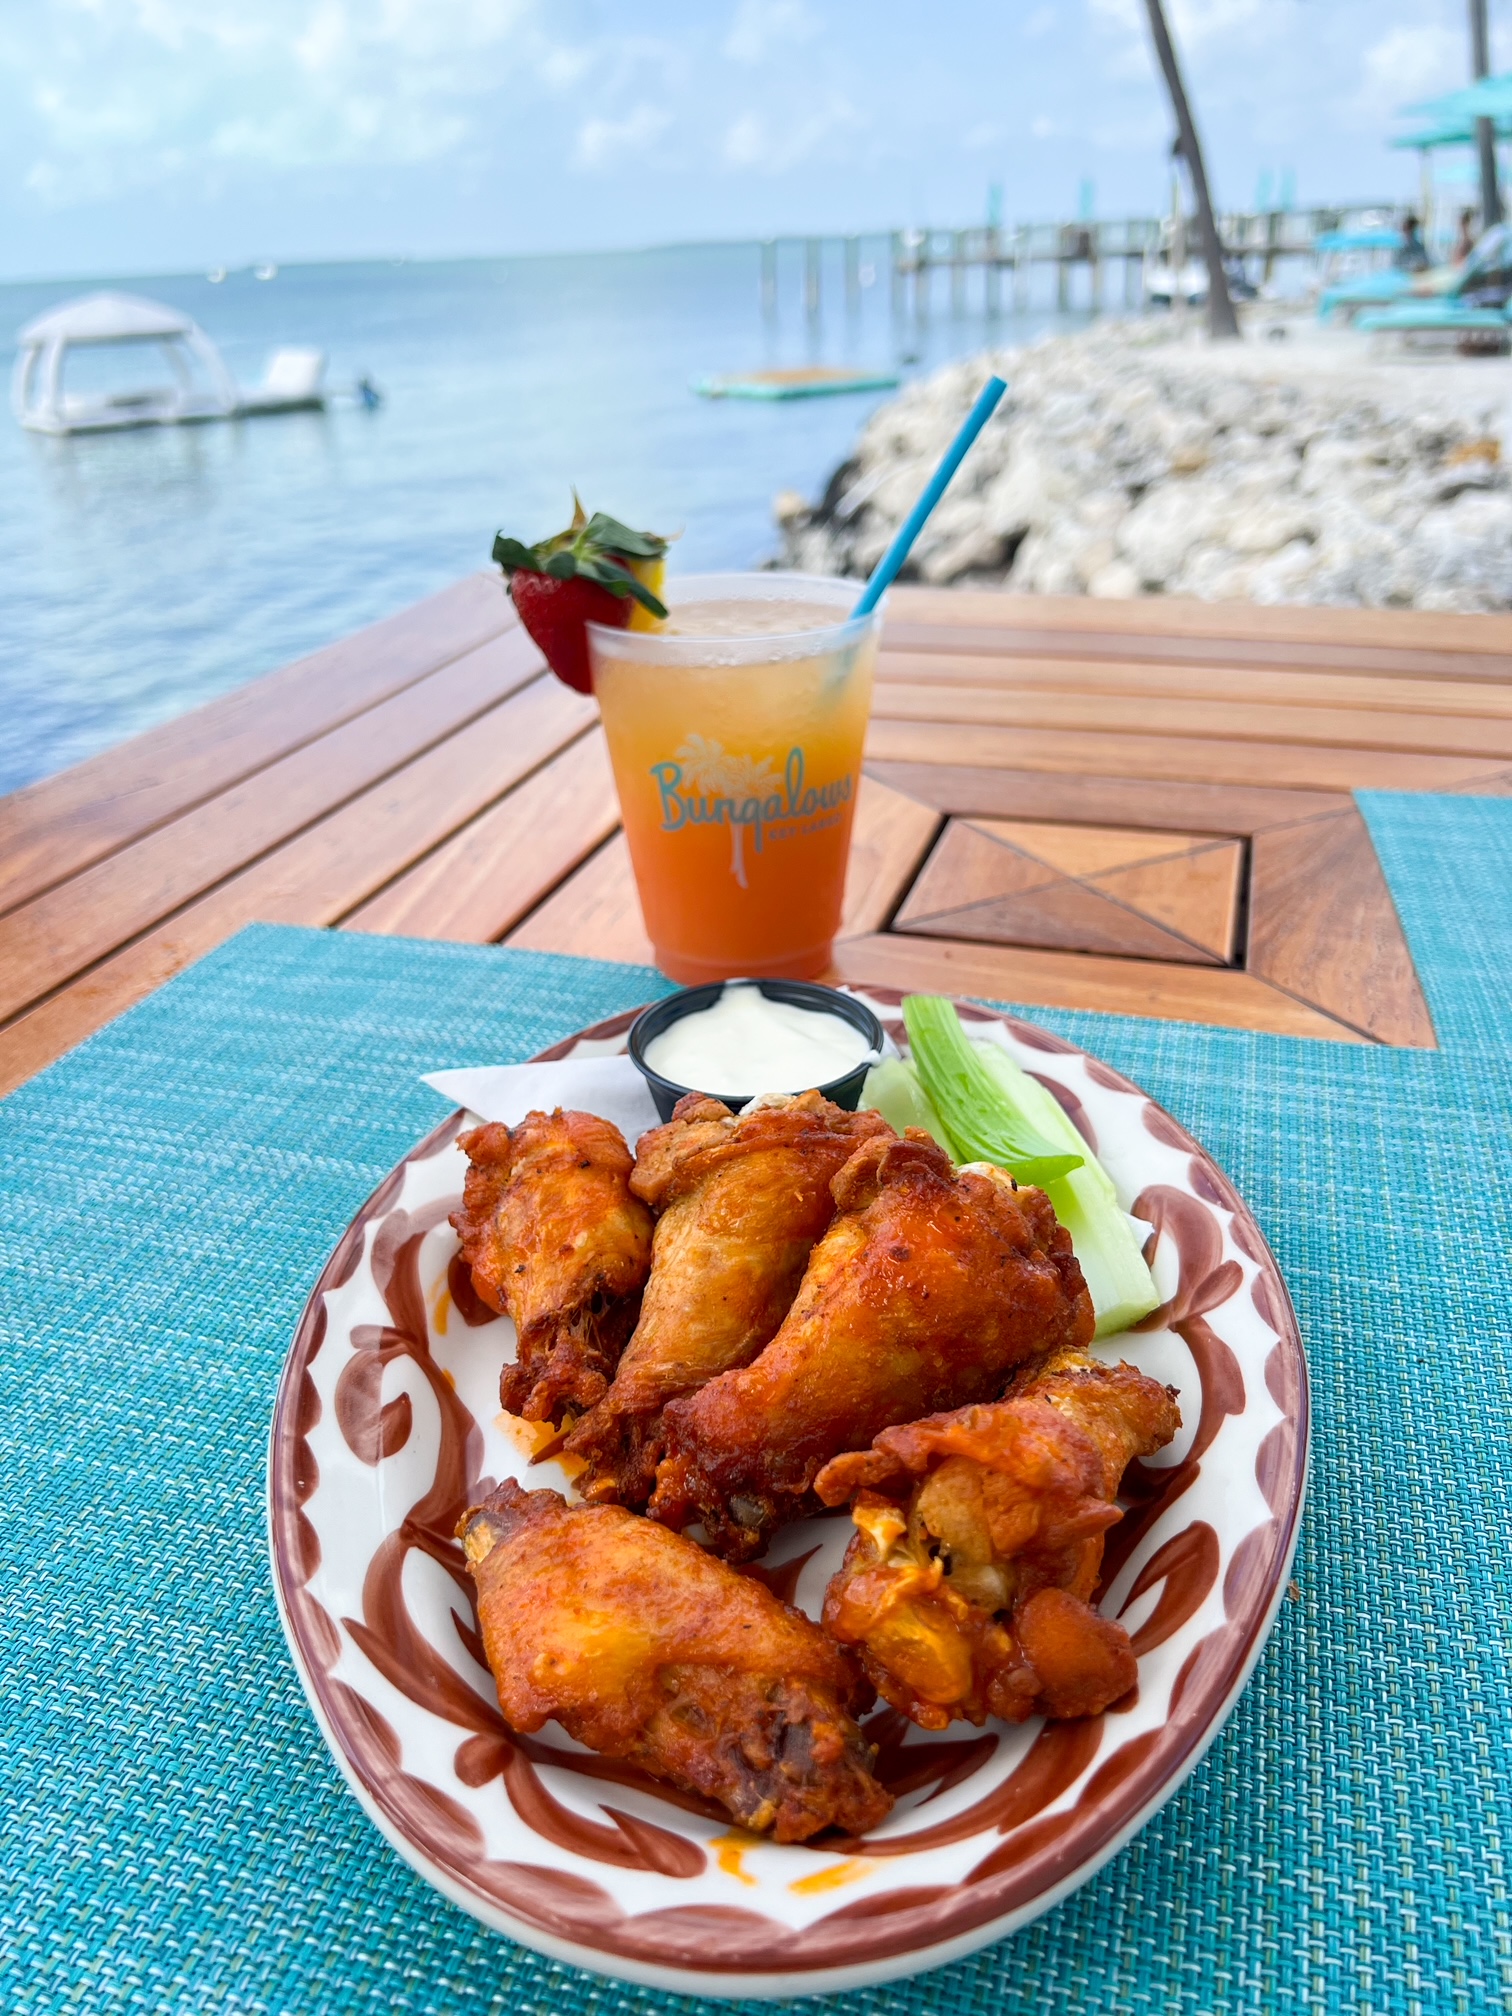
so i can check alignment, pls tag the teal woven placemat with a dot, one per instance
(174, 1835)
(1449, 864)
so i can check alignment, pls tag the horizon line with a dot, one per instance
(754, 242)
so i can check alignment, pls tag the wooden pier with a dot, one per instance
(1142, 807)
(998, 262)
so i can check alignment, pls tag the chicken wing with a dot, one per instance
(972, 1596)
(556, 1241)
(645, 1648)
(739, 1203)
(926, 1292)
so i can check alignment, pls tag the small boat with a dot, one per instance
(201, 387)
(1164, 287)
(806, 381)
(267, 271)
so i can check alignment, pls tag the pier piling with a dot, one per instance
(1270, 236)
(812, 254)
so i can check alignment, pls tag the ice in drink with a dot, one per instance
(736, 733)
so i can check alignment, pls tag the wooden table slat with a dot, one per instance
(1086, 798)
(1174, 757)
(1235, 720)
(595, 913)
(1309, 627)
(497, 868)
(1277, 655)
(1211, 994)
(59, 825)
(1127, 680)
(321, 875)
(45, 942)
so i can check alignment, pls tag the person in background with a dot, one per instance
(1411, 256)
(1464, 245)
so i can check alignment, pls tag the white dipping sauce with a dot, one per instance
(747, 1044)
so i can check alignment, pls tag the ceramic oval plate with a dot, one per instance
(387, 1426)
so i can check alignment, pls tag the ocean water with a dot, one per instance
(144, 572)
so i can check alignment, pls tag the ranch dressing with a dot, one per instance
(745, 1043)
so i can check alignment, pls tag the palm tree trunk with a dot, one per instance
(1485, 132)
(1221, 318)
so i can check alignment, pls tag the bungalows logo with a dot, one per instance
(705, 786)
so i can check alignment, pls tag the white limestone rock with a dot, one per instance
(1114, 583)
(1167, 523)
(1122, 462)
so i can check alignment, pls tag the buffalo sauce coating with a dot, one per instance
(926, 1292)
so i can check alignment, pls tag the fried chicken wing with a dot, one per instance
(739, 1203)
(926, 1292)
(645, 1648)
(556, 1241)
(971, 1596)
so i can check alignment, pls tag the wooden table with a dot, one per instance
(1143, 807)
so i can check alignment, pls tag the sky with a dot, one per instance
(152, 136)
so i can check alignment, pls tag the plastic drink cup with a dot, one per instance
(735, 731)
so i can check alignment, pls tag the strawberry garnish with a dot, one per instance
(591, 573)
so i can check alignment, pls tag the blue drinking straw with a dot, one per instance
(887, 568)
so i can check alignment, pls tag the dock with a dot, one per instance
(1143, 807)
(1089, 262)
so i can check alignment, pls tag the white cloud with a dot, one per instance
(131, 93)
(601, 141)
(158, 113)
(762, 26)
(746, 144)
(561, 69)
(772, 147)
(1408, 63)
(1194, 22)
(326, 40)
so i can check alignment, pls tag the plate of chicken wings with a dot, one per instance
(726, 1559)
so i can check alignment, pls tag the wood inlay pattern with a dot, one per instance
(1080, 889)
(1324, 927)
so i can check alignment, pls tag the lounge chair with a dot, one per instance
(1428, 318)
(1384, 289)
(1482, 286)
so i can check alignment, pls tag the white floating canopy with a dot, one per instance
(38, 397)
(40, 401)
(105, 318)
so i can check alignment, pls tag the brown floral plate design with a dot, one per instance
(387, 1426)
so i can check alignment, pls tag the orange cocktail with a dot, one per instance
(735, 731)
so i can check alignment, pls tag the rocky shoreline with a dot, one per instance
(1133, 459)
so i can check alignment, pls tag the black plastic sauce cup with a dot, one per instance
(845, 1091)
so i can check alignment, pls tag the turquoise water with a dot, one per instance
(142, 573)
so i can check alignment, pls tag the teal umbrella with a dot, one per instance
(1490, 98)
(1452, 133)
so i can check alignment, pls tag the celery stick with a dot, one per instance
(1085, 1201)
(981, 1125)
(892, 1089)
